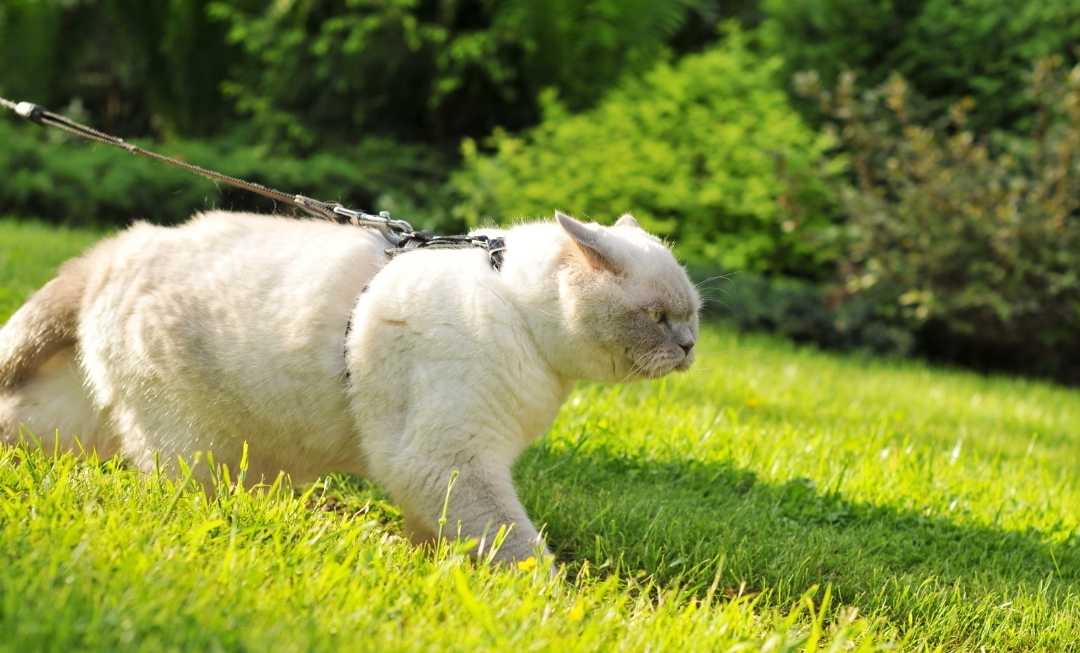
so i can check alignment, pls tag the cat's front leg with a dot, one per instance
(471, 499)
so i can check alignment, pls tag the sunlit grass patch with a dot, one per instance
(774, 498)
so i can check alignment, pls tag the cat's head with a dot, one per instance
(627, 302)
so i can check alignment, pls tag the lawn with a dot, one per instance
(774, 498)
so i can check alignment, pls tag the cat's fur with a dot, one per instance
(302, 339)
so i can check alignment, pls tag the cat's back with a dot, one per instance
(216, 240)
(235, 255)
(243, 276)
(240, 311)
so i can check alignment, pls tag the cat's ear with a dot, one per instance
(589, 241)
(627, 220)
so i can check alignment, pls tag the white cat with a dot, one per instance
(304, 340)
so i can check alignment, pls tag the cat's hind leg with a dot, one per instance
(53, 407)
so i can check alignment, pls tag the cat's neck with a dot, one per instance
(534, 271)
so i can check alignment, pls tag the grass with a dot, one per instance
(775, 498)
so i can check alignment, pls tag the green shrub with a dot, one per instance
(706, 152)
(973, 242)
(947, 49)
(319, 71)
(805, 312)
(63, 180)
(137, 66)
(316, 73)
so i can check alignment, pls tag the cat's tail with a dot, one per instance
(42, 389)
(45, 325)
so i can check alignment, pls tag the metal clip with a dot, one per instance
(394, 231)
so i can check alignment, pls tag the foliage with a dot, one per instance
(322, 71)
(300, 74)
(704, 512)
(68, 182)
(808, 312)
(975, 241)
(135, 66)
(343, 78)
(705, 151)
(946, 49)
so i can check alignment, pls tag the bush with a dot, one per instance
(805, 312)
(320, 71)
(706, 152)
(66, 181)
(312, 74)
(138, 67)
(946, 49)
(972, 241)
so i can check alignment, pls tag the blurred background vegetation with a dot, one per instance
(899, 177)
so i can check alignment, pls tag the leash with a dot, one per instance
(398, 233)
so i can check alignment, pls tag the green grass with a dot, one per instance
(775, 498)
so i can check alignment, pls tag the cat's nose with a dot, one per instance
(684, 337)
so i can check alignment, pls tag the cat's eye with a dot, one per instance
(657, 315)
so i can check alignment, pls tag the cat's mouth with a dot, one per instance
(661, 362)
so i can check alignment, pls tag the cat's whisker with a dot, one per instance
(720, 277)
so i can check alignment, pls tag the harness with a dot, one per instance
(399, 234)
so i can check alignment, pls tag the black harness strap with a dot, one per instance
(496, 247)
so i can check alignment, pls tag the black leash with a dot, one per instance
(399, 233)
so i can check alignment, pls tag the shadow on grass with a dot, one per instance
(683, 521)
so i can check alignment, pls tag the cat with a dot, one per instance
(306, 341)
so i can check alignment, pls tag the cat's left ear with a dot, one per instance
(590, 241)
(627, 220)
